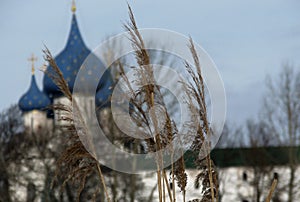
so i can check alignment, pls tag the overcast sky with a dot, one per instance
(246, 39)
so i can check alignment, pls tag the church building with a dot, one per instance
(34, 102)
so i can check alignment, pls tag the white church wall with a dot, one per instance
(84, 103)
(35, 120)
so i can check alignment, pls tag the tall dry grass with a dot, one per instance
(76, 164)
(76, 161)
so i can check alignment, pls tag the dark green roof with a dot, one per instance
(260, 156)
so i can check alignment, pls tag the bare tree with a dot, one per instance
(259, 139)
(281, 115)
(10, 128)
(231, 137)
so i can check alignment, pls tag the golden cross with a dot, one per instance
(73, 9)
(32, 59)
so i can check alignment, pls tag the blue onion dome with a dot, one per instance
(34, 98)
(68, 60)
(104, 91)
(95, 79)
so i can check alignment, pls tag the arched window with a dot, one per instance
(275, 175)
(245, 176)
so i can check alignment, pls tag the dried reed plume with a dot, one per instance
(75, 163)
(196, 93)
(147, 96)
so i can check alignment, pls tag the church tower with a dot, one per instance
(69, 60)
(33, 104)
